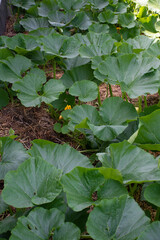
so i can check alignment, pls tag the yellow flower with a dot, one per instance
(66, 108)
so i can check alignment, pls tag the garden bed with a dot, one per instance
(89, 160)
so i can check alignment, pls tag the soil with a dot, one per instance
(36, 123)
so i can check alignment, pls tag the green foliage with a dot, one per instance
(52, 190)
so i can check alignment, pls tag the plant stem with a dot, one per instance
(9, 93)
(110, 90)
(145, 101)
(124, 96)
(89, 150)
(157, 214)
(85, 236)
(132, 189)
(99, 98)
(10, 210)
(54, 69)
(140, 104)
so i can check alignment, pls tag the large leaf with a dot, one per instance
(97, 45)
(41, 32)
(149, 23)
(26, 4)
(60, 19)
(153, 50)
(62, 157)
(12, 154)
(83, 72)
(12, 68)
(79, 113)
(119, 218)
(3, 205)
(30, 88)
(31, 24)
(99, 4)
(132, 73)
(67, 231)
(126, 20)
(140, 43)
(85, 187)
(108, 16)
(40, 224)
(85, 90)
(22, 44)
(7, 224)
(47, 6)
(61, 46)
(81, 21)
(71, 4)
(35, 182)
(149, 134)
(152, 194)
(151, 232)
(114, 113)
(135, 164)
(4, 53)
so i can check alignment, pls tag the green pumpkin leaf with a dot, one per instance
(152, 194)
(99, 28)
(4, 53)
(149, 23)
(71, 4)
(126, 20)
(38, 224)
(151, 232)
(60, 45)
(31, 24)
(62, 157)
(25, 4)
(11, 68)
(85, 90)
(83, 72)
(132, 74)
(67, 231)
(7, 224)
(85, 187)
(119, 218)
(79, 113)
(114, 113)
(22, 44)
(97, 45)
(140, 43)
(3, 205)
(60, 19)
(81, 21)
(126, 157)
(35, 182)
(47, 6)
(108, 16)
(12, 155)
(30, 88)
(149, 134)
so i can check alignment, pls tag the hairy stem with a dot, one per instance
(140, 104)
(145, 101)
(110, 90)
